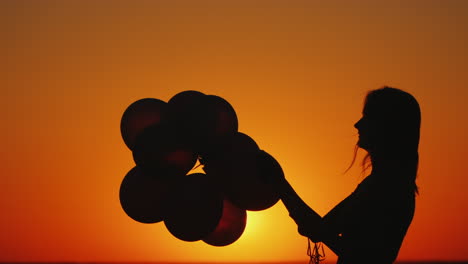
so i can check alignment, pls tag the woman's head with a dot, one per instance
(389, 131)
(390, 123)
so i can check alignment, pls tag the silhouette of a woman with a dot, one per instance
(370, 224)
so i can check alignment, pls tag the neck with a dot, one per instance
(400, 169)
(388, 163)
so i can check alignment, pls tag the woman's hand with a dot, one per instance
(310, 231)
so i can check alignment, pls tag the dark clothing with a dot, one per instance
(370, 224)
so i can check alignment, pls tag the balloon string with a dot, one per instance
(316, 254)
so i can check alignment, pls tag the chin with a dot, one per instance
(362, 145)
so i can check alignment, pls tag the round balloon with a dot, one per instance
(223, 115)
(142, 196)
(159, 148)
(194, 207)
(183, 101)
(215, 118)
(182, 111)
(223, 151)
(204, 117)
(244, 183)
(268, 167)
(140, 115)
(230, 226)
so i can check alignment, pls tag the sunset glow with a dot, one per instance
(296, 72)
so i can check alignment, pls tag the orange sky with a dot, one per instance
(296, 72)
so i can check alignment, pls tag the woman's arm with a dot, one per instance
(299, 211)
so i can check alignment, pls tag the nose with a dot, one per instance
(358, 124)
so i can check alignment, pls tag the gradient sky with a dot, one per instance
(296, 72)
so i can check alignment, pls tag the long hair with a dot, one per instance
(396, 115)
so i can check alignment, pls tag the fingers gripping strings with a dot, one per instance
(315, 254)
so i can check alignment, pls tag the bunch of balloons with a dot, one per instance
(167, 140)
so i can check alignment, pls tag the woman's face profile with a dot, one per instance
(361, 126)
(373, 128)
